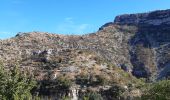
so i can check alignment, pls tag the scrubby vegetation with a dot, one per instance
(15, 85)
(157, 91)
(115, 92)
(18, 85)
(92, 96)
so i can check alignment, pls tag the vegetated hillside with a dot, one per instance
(84, 62)
(135, 43)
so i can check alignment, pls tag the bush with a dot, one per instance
(91, 80)
(15, 85)
(157, 91)
(114, 93)
(82, 79)
(63, 83)
(60, 87)
(92, 96)
(101, 80)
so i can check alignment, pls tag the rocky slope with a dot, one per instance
(137, 43)
(86, 61)
(147, 44)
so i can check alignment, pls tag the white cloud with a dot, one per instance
(68, 26)
(5, 34)
(82, 27)
(16, 1)
(69, 20)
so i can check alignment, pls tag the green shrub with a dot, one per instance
(82, 79)
(157, 91)
(15, 85)
(91, 80)
(63, 83)
(92, 96)
(98, 80)
(114, 93)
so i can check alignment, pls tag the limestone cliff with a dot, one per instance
(148, 45)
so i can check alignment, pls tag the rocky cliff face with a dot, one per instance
(143, 19)
(150, 44)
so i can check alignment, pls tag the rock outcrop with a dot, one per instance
(149, 45)
(155, 18)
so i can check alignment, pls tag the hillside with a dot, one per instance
(81, 59)
(134, 45)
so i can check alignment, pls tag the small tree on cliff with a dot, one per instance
(15, 85)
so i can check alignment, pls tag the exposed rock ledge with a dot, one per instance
(152, 18)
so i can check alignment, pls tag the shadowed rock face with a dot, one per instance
(150, 44)
(154, 18)
(146, 37)
(138, 43)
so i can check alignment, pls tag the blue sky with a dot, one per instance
(67, 16)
